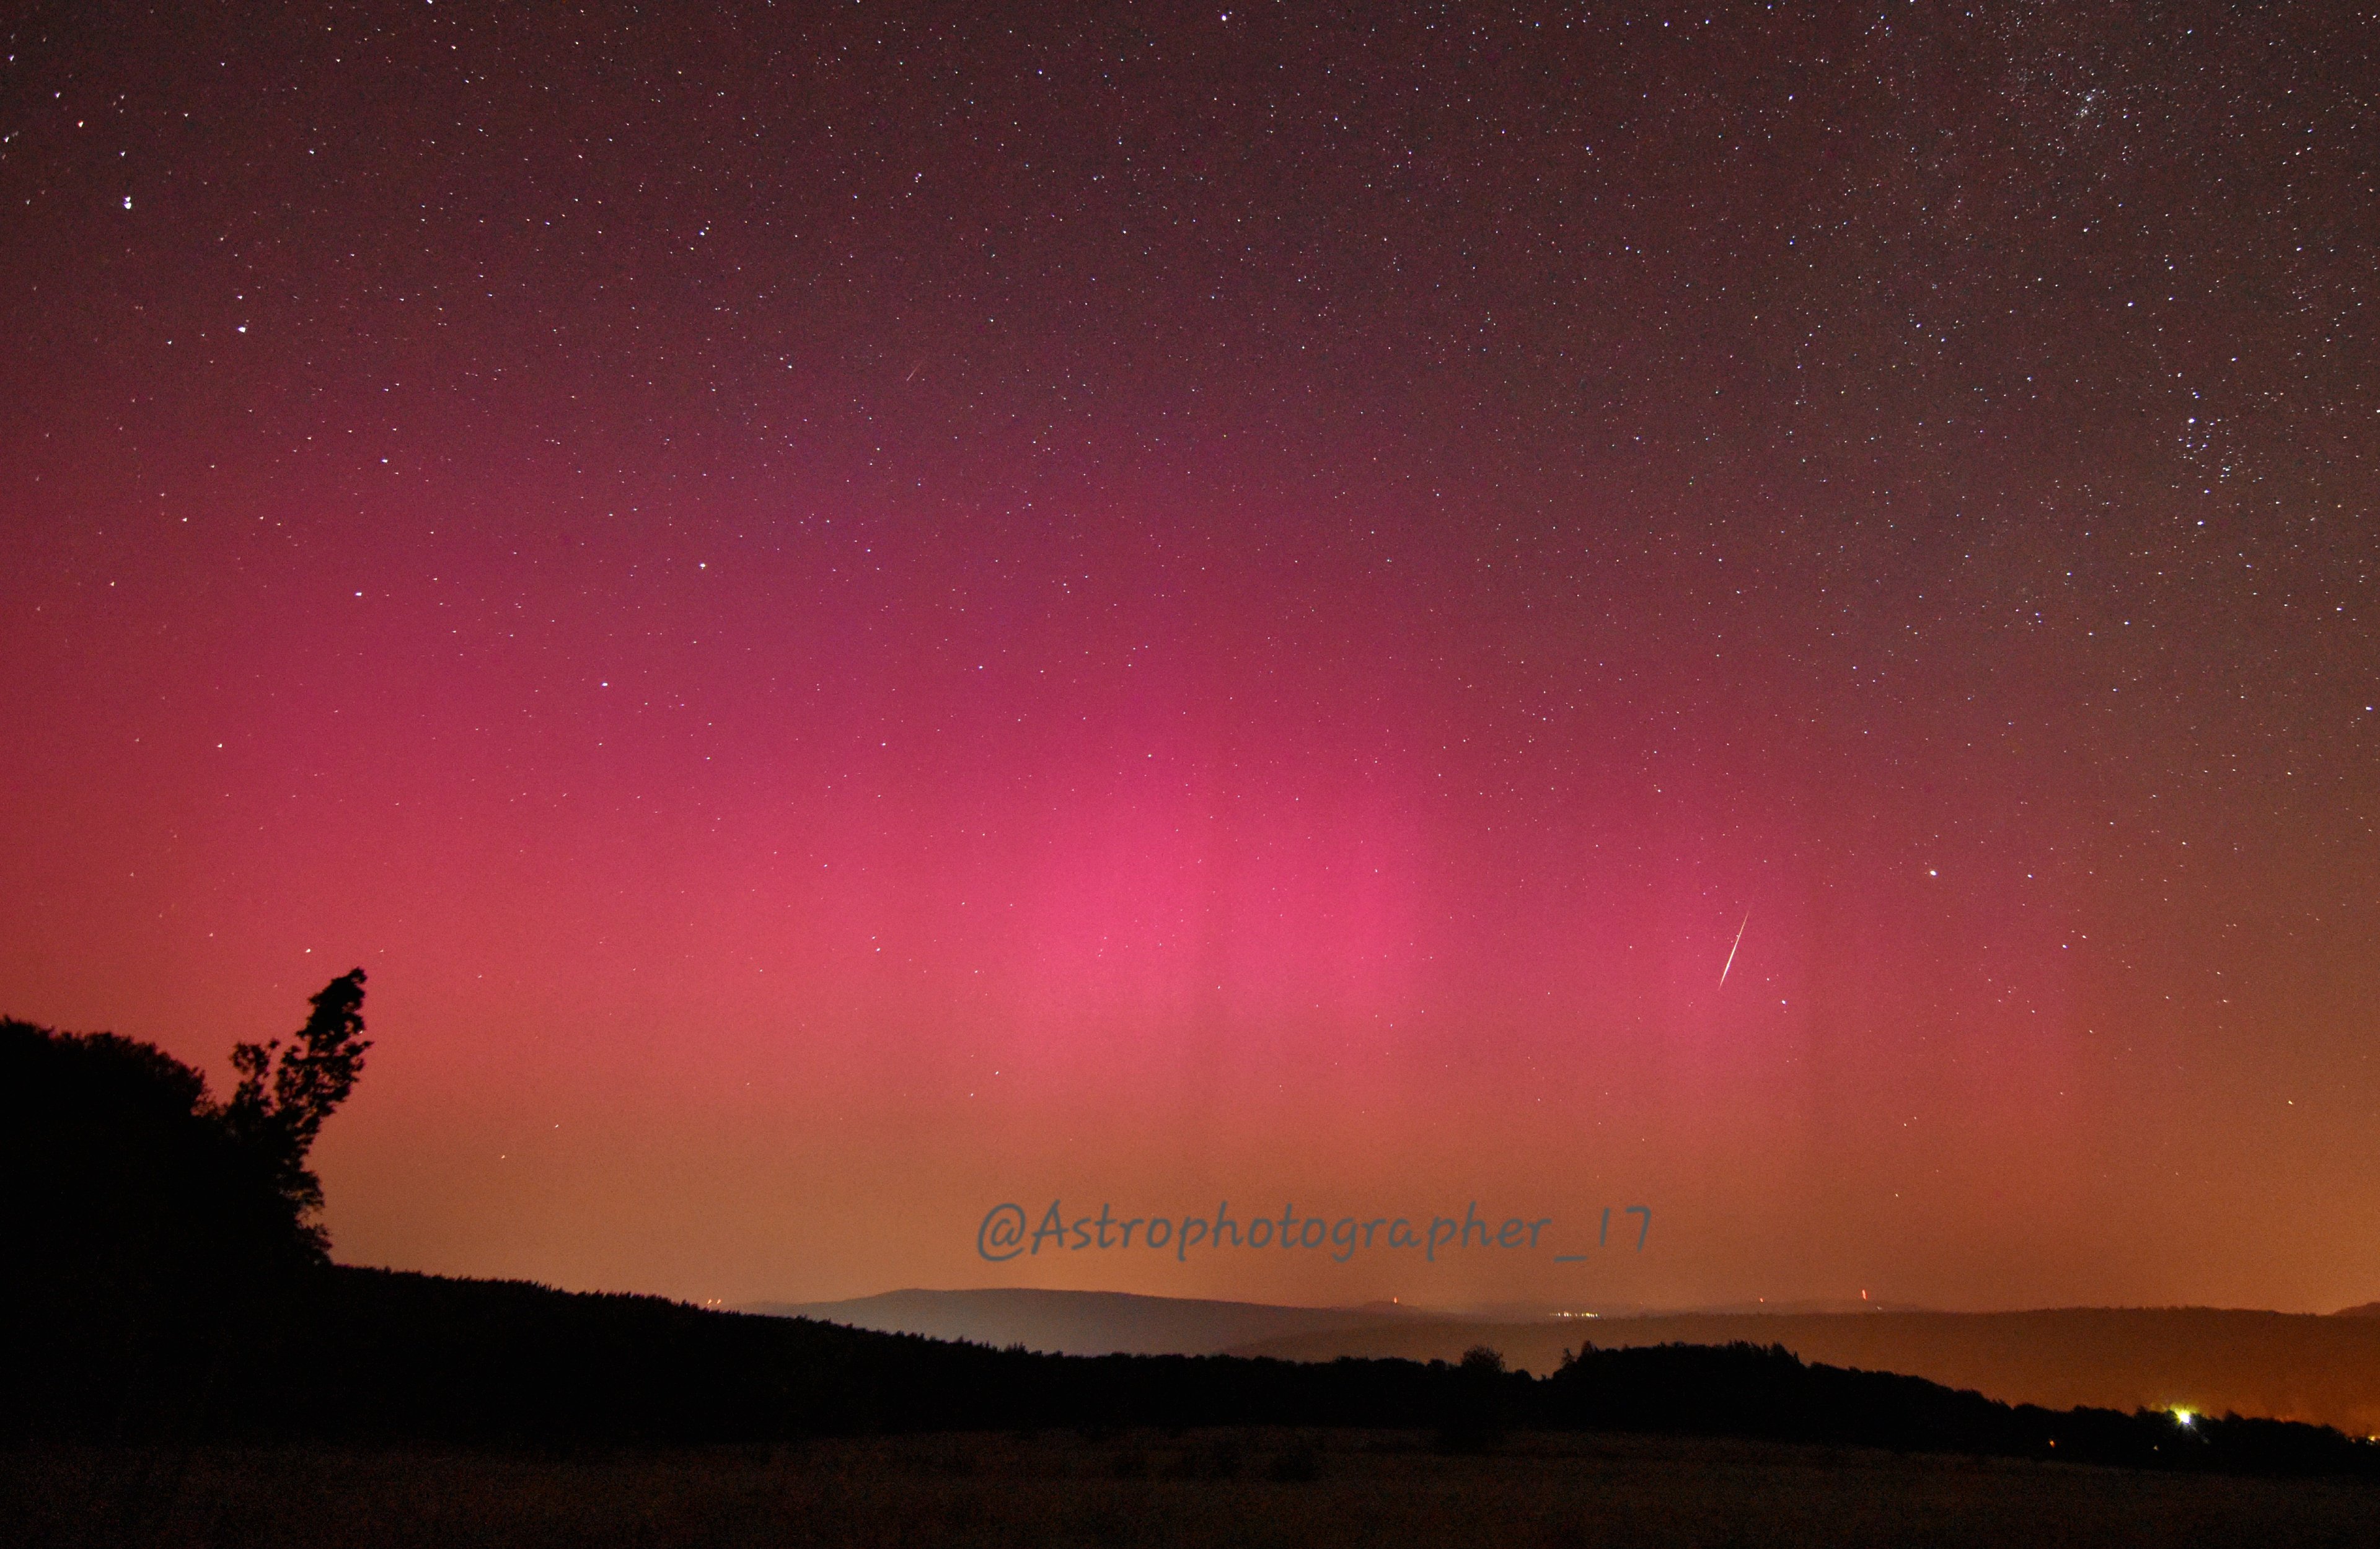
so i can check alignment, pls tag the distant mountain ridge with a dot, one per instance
(1082, 1322)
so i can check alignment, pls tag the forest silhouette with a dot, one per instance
(169, 1279)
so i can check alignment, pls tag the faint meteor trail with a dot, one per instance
(1732, 947)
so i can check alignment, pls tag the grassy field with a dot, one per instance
(1303, 1490)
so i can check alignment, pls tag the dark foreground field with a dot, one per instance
(1304, 1489)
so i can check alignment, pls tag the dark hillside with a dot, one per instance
(375, 1356)
(168, 1283)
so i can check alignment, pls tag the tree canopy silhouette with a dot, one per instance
(142, 1218)
(278, 1108)
(121, 1171)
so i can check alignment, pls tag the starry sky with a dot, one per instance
(861, 610)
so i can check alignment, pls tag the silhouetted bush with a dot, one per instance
(1478, 1402)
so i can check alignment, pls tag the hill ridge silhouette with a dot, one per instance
(379, 1356)
(2321, 1368)
(1075, 1321)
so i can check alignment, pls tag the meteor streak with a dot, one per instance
(1732, 947)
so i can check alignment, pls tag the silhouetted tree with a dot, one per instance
(144, 1224)
(1476, 1401)
(278, 1108)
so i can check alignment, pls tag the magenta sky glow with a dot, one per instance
(857, 613)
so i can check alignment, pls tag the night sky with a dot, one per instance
(862, 610)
